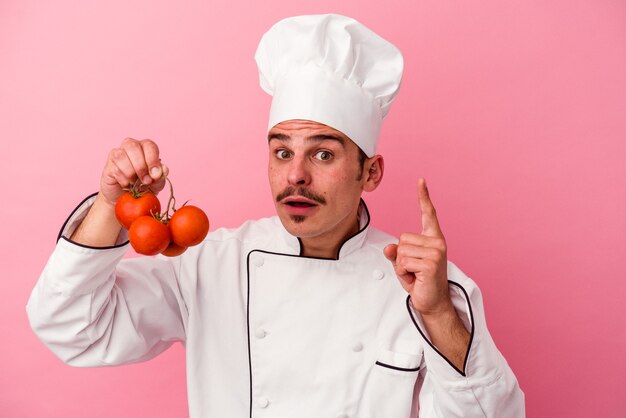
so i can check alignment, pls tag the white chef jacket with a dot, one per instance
(268, 332)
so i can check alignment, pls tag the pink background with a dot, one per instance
(515, 112)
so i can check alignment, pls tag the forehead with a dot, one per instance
(308, 130)
(298, 127)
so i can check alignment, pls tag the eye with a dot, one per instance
(282, 154)
(323, 155)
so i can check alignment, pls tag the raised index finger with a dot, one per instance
(430, 223)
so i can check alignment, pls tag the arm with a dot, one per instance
(485, 386)
(420, 263)
(466, 376)
(447, 332)
(91, 309)
(134, 159)
(100, 228)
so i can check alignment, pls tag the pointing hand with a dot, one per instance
(420, 261)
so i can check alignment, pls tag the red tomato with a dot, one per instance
(173, 250)
(189, 226)
(128, 208)
(148, 236)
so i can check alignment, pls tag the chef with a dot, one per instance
(311, 313)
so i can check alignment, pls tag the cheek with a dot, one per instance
(275, 179)
(344, 186)
(271, 172)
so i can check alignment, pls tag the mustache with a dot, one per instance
(300, 191)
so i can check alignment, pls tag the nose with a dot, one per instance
(299, 174)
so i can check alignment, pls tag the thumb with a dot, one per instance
(406, 278)
(391, 252)
(159, 184)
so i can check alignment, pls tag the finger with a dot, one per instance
(121, 168)
(151, 155)
(414, 251)
(422, 241)
(113, 177)
(390, 252)
(159, 184)
(418, 266)
(407, 280)
(134, 151)
(430, 223)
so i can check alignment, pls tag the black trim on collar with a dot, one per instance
(469, 345)
(60, 235)
(402, 369)
(362, 202)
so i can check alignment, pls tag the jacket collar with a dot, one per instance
(350, 245)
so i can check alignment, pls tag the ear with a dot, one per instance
(373, 170)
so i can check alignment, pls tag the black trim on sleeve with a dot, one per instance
(469, 345)
(95, 248)
(402, 369)
(60, 235)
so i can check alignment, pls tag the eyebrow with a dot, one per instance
(319, 137)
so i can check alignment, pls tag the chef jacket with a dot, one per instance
(269, 332)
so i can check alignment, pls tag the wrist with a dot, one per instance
(104, 203)
(446, 313)
(100, 227)
(441, 318)
(448, 335)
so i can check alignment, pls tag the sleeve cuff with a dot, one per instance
(75, 219)
(462, 305)
(75, 269)
(483, 364)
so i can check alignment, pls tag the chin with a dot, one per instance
(296, 225)
(297, 219)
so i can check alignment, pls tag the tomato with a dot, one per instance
(173, 250)
(148, 236)
(128, 207)
(189, 225)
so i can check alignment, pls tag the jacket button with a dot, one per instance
(258, 261)
(262, 402)
(260, 333)
(357, 347)
(378, 274)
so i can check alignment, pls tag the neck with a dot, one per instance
(328, 246)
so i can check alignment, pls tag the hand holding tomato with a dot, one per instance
(133, 160)
(134, 165)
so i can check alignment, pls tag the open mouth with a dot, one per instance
(300, 204)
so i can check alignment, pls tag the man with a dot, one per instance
(300, 314)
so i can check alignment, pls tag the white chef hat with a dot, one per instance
(332, 70)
